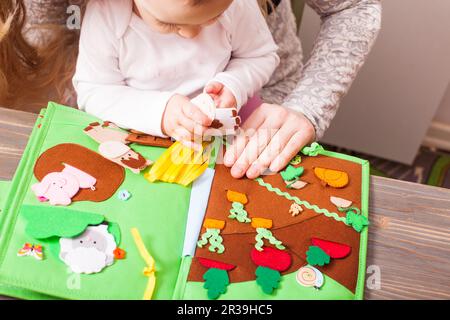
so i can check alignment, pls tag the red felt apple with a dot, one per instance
(333, 249)
(272, 258)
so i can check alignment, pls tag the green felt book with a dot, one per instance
(300, 234)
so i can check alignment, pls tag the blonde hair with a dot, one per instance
(31, 75)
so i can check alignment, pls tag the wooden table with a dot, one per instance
(409, 236)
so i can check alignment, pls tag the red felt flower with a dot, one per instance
(333, 249)
(272, 258)
(208, 263)
(119, 254)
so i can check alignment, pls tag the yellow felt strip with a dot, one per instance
(149, 270)
(163, 163)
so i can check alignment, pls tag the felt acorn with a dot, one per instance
(271, 262)
(237, 211)
(216, 278)
(212, 236)
(262, 227)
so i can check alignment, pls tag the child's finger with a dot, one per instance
(214, 88)
(190, 125)
(295, 144)
(192, 112)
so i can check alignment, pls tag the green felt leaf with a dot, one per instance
(45, 222)
(268, 279)
(216, 282)
(317, 257)
(292, 173)
(357, 221)
(114, 229)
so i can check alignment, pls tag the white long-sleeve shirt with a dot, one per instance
(126, 72)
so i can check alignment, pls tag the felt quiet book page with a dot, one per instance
(97, 212)
(292, 235)
(66, 226)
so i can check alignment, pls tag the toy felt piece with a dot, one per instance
(262, 227)
(317, 257)
(295, 209)
(124, 156)
(309, 276)
(225, 120)
(90, 165)
(237, 211)
(332, 178)
(90, 252)
(150, 269)
(340, 202)
(212, 236)
(180, 165)
(313, 151)
(333, 249)
(291, 177)
(148, 140)
(60, 187)
(31, 250)
(270, 263)
(296, 160)
(216, 277)
(113, 146)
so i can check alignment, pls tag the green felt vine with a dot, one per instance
(212, 236)
(315, 256)
(268, 279)
(262, 234)
(238, 212)
(353, 217)
(313, 150)
(216, 282)
(45, 222)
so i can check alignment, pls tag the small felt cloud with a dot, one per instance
(90, 252)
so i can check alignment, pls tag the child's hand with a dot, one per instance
(184, 121)
(222, 96)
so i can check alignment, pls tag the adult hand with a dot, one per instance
(269, 139)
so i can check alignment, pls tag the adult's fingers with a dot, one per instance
(295, 144)
(256, 145)
(240, 141)
(273, 149)
(192, 112)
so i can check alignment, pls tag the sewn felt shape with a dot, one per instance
(109, 176)
(333, 249)
(44, 222)
(295, 233)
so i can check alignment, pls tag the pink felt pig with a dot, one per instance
(60, 187)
